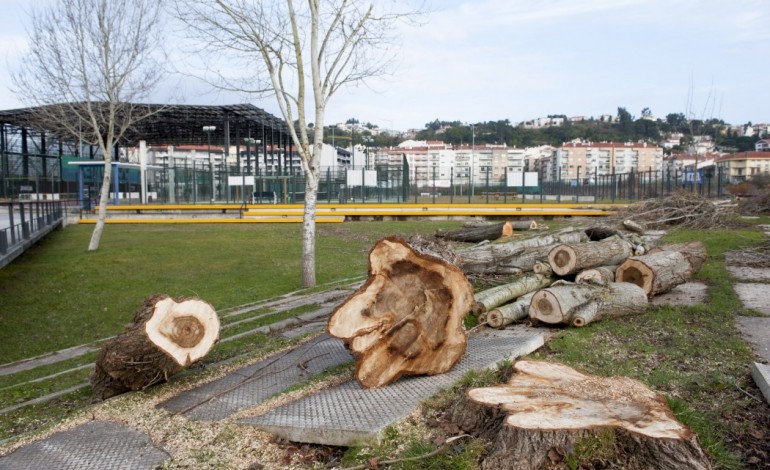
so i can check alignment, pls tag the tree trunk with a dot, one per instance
(504, 315)
(580, 304)
(308, 229)
(104, 197)
(569, 259)
(408, 316)
(486, 232)
(165, 337)
(695, 252)
(547, 410)
(657, 272)
(601, 275)
(491, 298)
(512, 257)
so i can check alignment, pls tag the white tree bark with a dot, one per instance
(89, 63)
(289, 47)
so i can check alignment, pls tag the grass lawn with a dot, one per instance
(59, 295)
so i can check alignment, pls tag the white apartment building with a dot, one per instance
(585, 160)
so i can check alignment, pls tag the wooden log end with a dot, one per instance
(636, 272)
(507, 230)
(562, 259)
(186, 331)
(545, 307)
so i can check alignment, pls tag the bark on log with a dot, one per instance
(474, 234)
(569, 259)
(512, 257)
(166, 336)
(505, 315)
(657, 272)
(408, 316)
(496, 296)
(547, 409)
(579, 304)
(695, 252)
(601, 275)
(633, 226)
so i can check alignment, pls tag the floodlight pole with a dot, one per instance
(208, 130)
(248, 141)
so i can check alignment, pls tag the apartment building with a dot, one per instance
(583, 160)
(745, 165)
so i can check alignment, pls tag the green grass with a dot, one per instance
(59, 295)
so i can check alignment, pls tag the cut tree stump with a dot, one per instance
(546, 410)
(663, 268)
(496, 296)
(408, 316)
(568, 259)
(580, 304)
(166, 336)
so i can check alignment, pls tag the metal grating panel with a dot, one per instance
(349, 412)
(94, 445)
(251, 385)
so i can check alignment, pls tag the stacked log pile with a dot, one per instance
(584, 276)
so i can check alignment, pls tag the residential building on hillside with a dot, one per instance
(745, 165)
(586, 160)
(762, 145)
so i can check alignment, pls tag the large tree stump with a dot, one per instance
(568, 259)
(408, 316)
(665, 268)
(165, 337)
(545, 409)
(580, 304)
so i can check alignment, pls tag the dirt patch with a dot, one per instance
(683, 294)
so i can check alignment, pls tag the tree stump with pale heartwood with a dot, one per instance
(165, 337)
(546, 410)
(408, 316)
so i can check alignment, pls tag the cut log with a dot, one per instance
(695, 252)
(633, 226)
(408, 316)
(166, 336)
(512, 257)
(546, 410)
(496, 296)
(601, 275)
(505, 315)
(541, 267)
(473, 234)
(657, 272)
(568, 259)
(580, 304)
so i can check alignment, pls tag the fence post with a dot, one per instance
(452, 185)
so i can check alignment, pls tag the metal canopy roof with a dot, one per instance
(179, 124)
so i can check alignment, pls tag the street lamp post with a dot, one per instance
(208, 130)
(248, 141)
(473, 151)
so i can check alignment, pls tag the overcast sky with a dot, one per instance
(483, 60)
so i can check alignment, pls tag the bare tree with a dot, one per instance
(88, 63)
(302, 52)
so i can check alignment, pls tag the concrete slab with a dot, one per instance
(756, 332)
(94, 445)
(761, 375)
(310, 327)
(683, 294)
(347, 413)
(756, 296)
(251, 385)
(745, 273)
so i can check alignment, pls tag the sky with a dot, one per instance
(484, 60)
